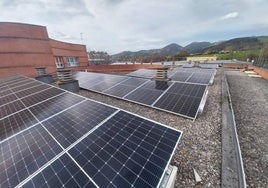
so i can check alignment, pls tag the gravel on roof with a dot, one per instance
(200, 146)
(250, 103)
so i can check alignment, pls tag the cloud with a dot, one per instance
(230, 15)
(121, 25)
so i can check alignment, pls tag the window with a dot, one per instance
(72, 61)
(59, 62)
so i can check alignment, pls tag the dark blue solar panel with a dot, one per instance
(148, 93)
(10, 108)
(180, 76)
(22, 155)
(4, 91)
(20, 83)
(101, 86)
(120, 90)
(144, 96)
(26, 86)
(143, 73)
(54, 105)
(182, 98)
(7, 99)
(41, 96)
(15, 123)
(72, 124)
(134, 81)
(32, 90)
(61, 173)
(126, 151)
(203, 78)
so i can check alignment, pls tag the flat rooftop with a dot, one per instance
(201, 144)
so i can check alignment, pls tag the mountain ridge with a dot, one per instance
(235, 44)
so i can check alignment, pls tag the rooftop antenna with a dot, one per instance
(81, 35)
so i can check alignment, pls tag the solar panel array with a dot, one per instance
(53, 138)
(147, 92)
(181, 74)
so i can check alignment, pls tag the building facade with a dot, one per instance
(23, 47)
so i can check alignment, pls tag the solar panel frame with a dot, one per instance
(200, 96)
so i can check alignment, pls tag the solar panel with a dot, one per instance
(144, 96)
(47, 138)
(7, 99)
(54, 105)
(4, 91)
(41, 96)
(148, 93)
(20, 83)
(10, 108)
(32, 90)
(15, 123)
(143, 73)
(202, 78)
(70, 125)
(134, 81)
(101, 86)
(180, 76)
(24, 153)
(119, 90)
(182, 98)
(24, 86)
(126, 151)
(61, 173)
(125, 87)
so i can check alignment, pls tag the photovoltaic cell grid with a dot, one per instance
(25, 153)
(182, 98)
(105, 154)
(35, 132)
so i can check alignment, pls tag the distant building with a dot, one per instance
(202, 58)
(24, 47)
(98, 58)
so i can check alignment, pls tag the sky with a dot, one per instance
(132, 25)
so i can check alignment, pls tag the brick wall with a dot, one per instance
(24, 47)
(68, 49)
